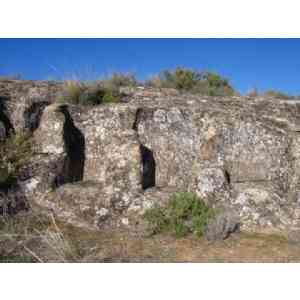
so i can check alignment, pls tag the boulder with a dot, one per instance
(222, 226)
(87, 204)
(212, 185)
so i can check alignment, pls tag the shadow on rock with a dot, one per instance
(4, 118)
(75, 147)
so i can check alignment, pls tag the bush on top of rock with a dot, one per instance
(98, 92)
(204, 83)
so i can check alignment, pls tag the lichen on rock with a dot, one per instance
(234, 152)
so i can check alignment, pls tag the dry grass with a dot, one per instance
(54, 239)
(34, 238)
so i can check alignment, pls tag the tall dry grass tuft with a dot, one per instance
(55, 240)
(35, 238)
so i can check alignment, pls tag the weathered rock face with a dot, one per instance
(24, 101)
(112, 150)
(241, 154)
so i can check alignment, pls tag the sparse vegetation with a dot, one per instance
(204, 83)
(253, 93)
(35, 238)
(276, 94)
(215, 85)
(98, 92)
(11, 77)
(22, 241)
(180, 78)
(15, 152)
(118, 80)
(185, 213)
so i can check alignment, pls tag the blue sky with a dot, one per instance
(247, 63)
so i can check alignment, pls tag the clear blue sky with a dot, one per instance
(260, 63)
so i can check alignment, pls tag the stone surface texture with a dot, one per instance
(104, 165)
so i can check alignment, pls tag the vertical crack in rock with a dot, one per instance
(4, 118)
(137, 119)
(148, 168)
(32, 115)
(227, 177)
(147, 158)
(75, 147)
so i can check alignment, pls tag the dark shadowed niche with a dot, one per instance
(75, 147)
(32, 115)
(148, 168)
(4, 118)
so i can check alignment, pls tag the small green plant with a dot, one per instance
(110, 97)
(15, 153)
(184, 213)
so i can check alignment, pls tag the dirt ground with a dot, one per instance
(28, 240)
(240, 247)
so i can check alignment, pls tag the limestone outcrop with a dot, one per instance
(104, 165)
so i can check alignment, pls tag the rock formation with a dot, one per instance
(104, 165)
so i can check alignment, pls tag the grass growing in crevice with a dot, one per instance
(184, 213)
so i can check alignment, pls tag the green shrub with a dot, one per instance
(180, 78)
(216, 85)
(184, 213)
(204, 83)
(110, 97)
(15, 153)
(157, 220)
